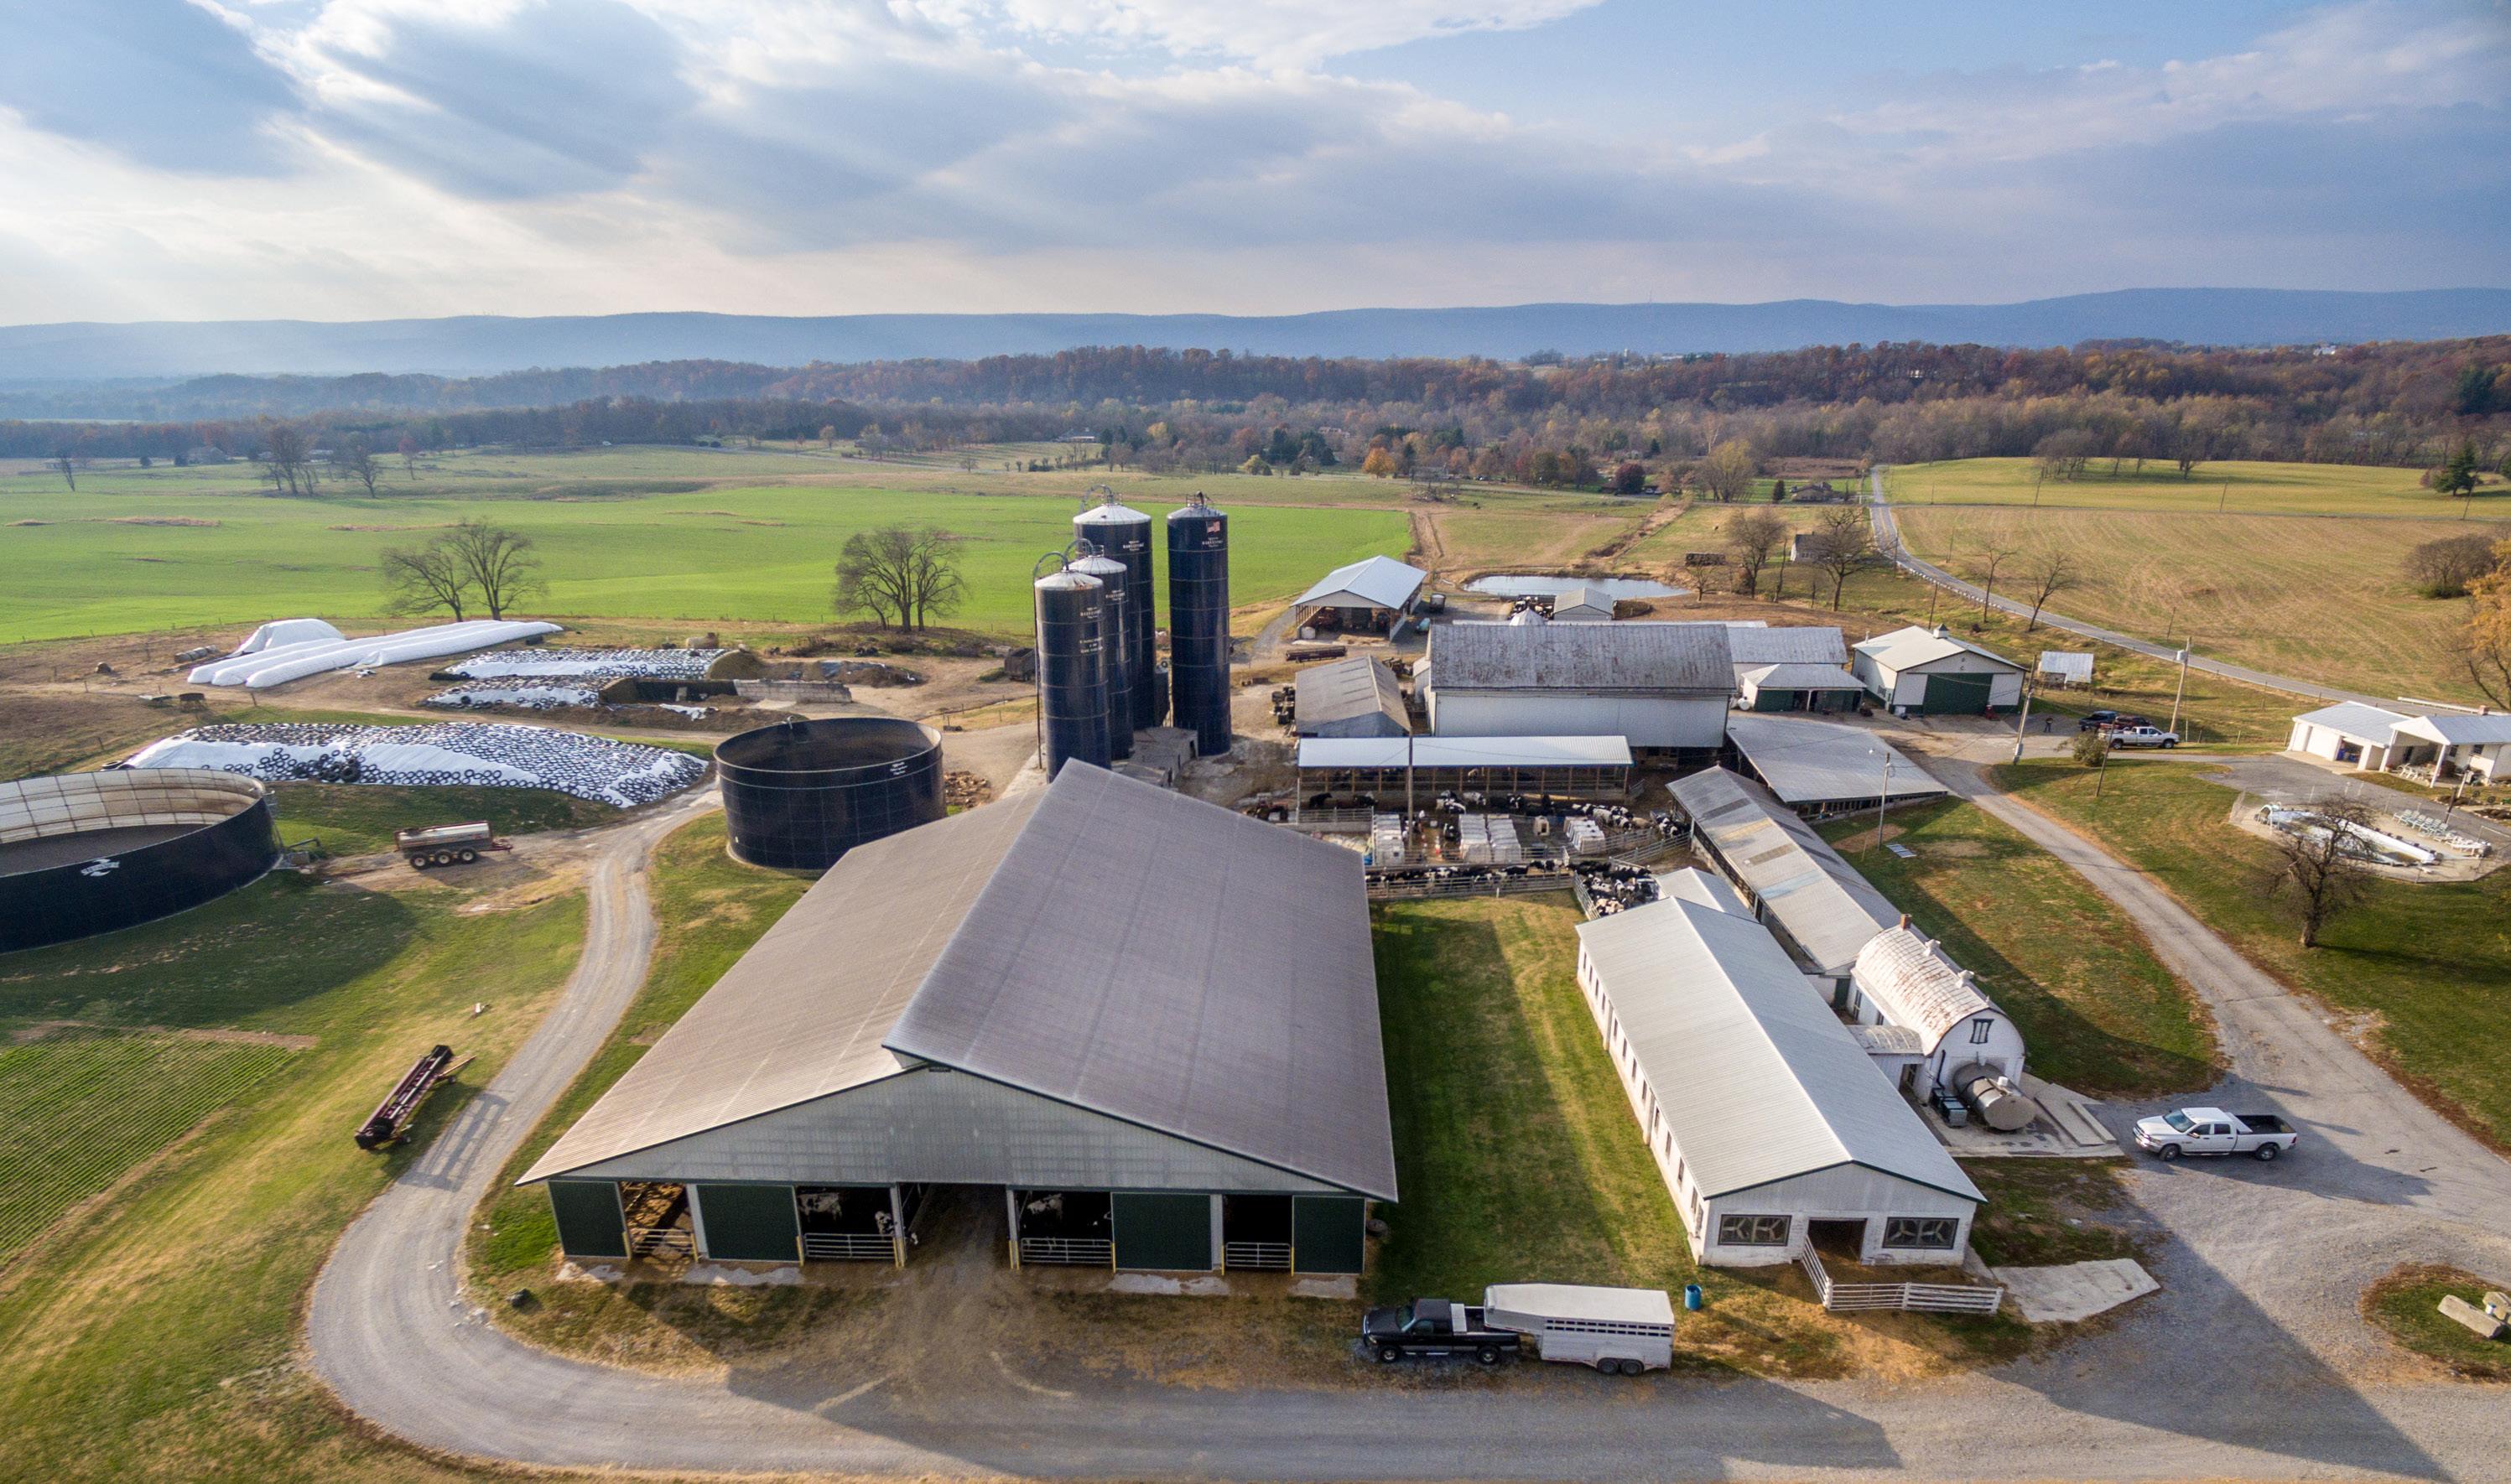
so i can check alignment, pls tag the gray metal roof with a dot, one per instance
(2460, 728)
(1792, 645)
(1755, 1077)
(1573, 599)
(1792, 874)
(2352, 719)
(1692, 884)
(1101, 942)
(1824, 762)
(1377, 582)
(2067, 664)
(1348, 690)
(1465, 753)
(1681, 659)
(1797, 677)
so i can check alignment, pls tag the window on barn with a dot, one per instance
(1754, 1231)
(1979, 1030)
(1924, 1231)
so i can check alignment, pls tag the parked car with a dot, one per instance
(2142, 737)
(1435, 1327)
(2094, 721)
(2213, 1132)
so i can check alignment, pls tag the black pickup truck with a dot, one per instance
(1435, 1327)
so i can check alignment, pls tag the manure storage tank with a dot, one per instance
(1125, 534)
(88, 852)
(1199, 623)
(1115, 634)
(1072, 670)
(800, 794)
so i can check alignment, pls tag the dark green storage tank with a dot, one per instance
(1162, 1231)
(750, 1223)
(1328, 1234)
(589, 1220)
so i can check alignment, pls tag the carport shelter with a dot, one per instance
(1149, 1023)
(1373, 594)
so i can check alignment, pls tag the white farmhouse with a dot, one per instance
(2377, 740)
(1662, 686)
(1927, 671)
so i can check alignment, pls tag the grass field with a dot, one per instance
(2236, 487)
(355, 818)
(151, 1335)
(2323, 601)
(2425, 965)
(2407, 1305)
(2100, 1014)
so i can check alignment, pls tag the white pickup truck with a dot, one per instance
(2142, 737)
(2213, 1132)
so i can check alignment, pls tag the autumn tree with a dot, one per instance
(2487, 640)
(500, 564)
(1754, 539)
(1630, 478)
(1379, 462)
(2317, 871)
(902, 576)
(1728, 472)
(2050, 571)
(1846, 543)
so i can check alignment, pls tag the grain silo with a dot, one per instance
(1115, 637)
(1072, 670)
(1199, 623)
(800, 794)
(1125, 534)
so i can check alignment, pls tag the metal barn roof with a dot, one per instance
(1574, 602)
(1797, 677)
(1682, 659)
(1755, 1077)
(2460, 728)
(1817, 898)
(1907, 648)
(1823, 762)
(1694, 884)
(2066, 664)
(2352, 719)
(1465, 753)
(1914, 983)
(1107, 944)
(1790, 645)
(1378, 582)
(1359, 690)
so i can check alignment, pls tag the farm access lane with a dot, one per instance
(1887, 539)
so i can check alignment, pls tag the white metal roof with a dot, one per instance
(1465, 753)
(1692, 884)
(1913, 982)
(1755, 1077)
(1581, 599)
(1795, 875)
(1906, 648)
(1824, 762)
(1888, 1040)
(1101, 942)
(1789, 644)
(2461, 728)
(1797, 677)
(1339, 690)
(1577, 1300)
(1375, 582)
(2066, 664)
(1638, 658)
(2354, 719)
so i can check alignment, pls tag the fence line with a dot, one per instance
(1929, 1298)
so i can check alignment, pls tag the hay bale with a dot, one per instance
(737, 664)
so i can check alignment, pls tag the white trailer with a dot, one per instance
(1616, 1330)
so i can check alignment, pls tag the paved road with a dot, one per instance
(1887, 538)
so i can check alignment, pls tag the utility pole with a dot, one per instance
(2183, 688)
(1883, 801)
(2102, 774)
(2221, 498)
(2024, 725)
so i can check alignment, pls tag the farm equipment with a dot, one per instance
(394, 1113)
(446, 844)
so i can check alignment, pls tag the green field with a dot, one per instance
(2406, 1303)
(2100, 1014)
(357, 818)
(108, 559)
(2429, 963)
(2235, 488)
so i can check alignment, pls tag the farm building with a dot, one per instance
(1582, 605)
(1374, 767)
(1931, 673)
(2377, 740)
(1771, 1127)
(1372, 596)
(2061, 667)
(1825, 766)
(1662, 686)
(1905, 979)
(1792, 668)
(1811, 898)
(1357, 696)
(1141, 1026)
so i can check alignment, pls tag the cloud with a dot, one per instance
(1275, 33)
(160, 82)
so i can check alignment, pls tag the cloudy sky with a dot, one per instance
(353, 159)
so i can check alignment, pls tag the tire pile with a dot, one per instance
(433, 755)
(590, 664)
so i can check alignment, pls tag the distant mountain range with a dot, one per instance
(39, 355)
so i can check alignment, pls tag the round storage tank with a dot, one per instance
(86, 853)
(1125, 534)
(1072, 670)
(1115, 634)
(800, 794)
(1199, 623)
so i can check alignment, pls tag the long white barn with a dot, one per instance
(1662, 686)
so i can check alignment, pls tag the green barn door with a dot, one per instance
(1166, 1233)
(750, 1223)
(1956, 694)
(1328, 1234)
(589, 1223)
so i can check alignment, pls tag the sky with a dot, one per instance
(380, 159)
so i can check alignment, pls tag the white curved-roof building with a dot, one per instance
(1904, 978)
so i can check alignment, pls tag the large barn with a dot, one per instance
(1771, 1127)
(1664, 687)
(1928, 672)
(1143, 1027)
(1793, 669)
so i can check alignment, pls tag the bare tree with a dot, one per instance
(1995, 551)
(498, 562)
(289, 457)
(67, 463)
(2444, 568)
(1847, 543)
(1754, 538)
(2051, 571)
(902, 576)
(2318, 870)
(408, 452)
(426, 579)
(934, 588)
(358, 460)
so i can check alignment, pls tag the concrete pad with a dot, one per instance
(597, 1272)
(1345, 1287)
(783, 1276)
(1154, 1283)
(2072, 1291)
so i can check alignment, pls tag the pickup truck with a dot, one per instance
(2213, 1132)
(1435, 1327)
(2142, 737)
(446, 844)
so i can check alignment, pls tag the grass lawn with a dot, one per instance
(2042, 1212)
(357, 818)
(2407, 1306)
(152, 1334)
(2239, 488)
(2099, 1014)
(2429, 963)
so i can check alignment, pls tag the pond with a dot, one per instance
(1506, 585)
